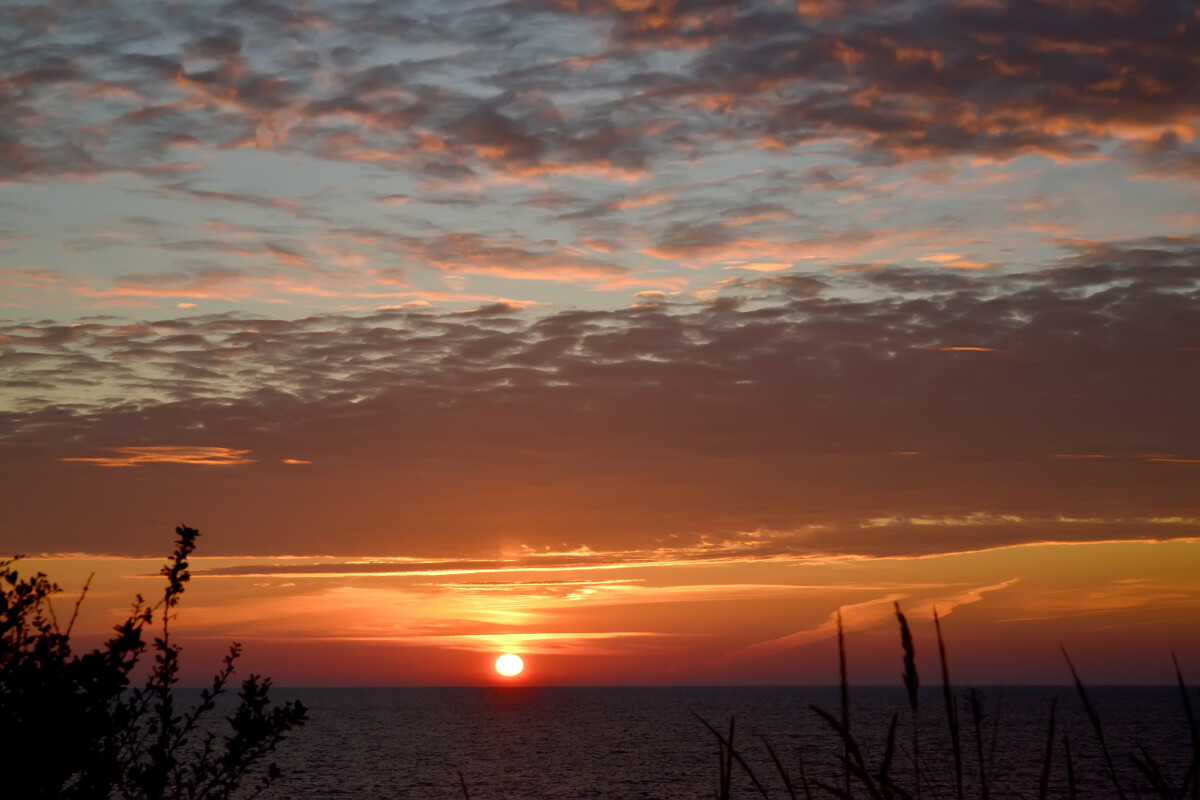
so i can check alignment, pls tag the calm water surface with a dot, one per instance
(646, 743)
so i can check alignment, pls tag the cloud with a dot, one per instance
(863, 616)
(773, 404)
(855, 617)
(968, 350)
(548, 261)
(1114, 597)
(890, 82)
(573, 146)
(938, 78)
(194, 456)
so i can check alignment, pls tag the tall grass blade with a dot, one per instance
(1072, 794)
(911, 683)
(1189, 779)
(463, 783)
(1109, 767)
(995, 735)
(844, 684)
(889, 752)
(803, 777)
(722, 784)
(951, 709)
(729, 758)
(722, 770)
(1192, 729)
(836, 791)
(976, 704)
(1150, 769)
(855, 763)
(732, 755)
(1044, 783)
(787, 781)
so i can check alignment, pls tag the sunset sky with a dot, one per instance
(636, 338)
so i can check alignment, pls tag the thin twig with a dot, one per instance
(78, 602)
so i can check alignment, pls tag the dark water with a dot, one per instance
(627, 743)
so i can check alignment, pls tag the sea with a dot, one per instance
(651, 743)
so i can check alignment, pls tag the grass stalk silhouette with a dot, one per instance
(803, 776)
(1193, 731)
(1044, 781)
(857, 776)
(951, 710)
(729, 755)
(844, 692)
(1072, 794)
(976, 704)
(1109, 768)
(783, 773)
(911, 683)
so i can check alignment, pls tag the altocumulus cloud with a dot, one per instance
(1068, 79)
(610, 134)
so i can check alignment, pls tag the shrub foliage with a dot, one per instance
(88, 725)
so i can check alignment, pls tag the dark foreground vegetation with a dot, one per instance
(963, 766)
(102, 724)
(88, 725)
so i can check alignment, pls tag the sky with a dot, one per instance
(637, 338)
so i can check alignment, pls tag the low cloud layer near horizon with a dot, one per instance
(869, 411)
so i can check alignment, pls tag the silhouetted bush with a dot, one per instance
(75, 725)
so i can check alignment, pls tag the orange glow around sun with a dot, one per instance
(509, 665)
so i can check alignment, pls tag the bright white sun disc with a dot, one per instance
(509, 664)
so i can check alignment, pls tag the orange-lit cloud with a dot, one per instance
(141, 456)
(856, 616)
(963, 349)
(776, 621)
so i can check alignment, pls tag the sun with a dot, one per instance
(509, 665)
